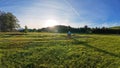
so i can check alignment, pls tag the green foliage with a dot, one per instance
(8, 22)
(26, 29)
(53, 50)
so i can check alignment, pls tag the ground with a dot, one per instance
(55, 50)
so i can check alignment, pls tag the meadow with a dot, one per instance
(55, 50)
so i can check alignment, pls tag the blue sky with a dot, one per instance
(76, 13)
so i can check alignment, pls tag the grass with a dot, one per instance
(53, 50)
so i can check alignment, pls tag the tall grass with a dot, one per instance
(52, 50)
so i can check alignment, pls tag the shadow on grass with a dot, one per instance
(97, 49)
(17, 34)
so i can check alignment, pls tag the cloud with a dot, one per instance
(110, 24)
(78, 13)
(34, 16)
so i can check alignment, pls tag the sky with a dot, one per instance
(76, 13)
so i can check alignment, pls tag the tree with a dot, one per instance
(34, 30)
(86, 27)
(8, 22)
(26, 29)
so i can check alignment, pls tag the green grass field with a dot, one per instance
(53, 50)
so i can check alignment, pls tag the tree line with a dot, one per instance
(9, 23)
(65, 29)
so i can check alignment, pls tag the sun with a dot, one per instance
(51, 22)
